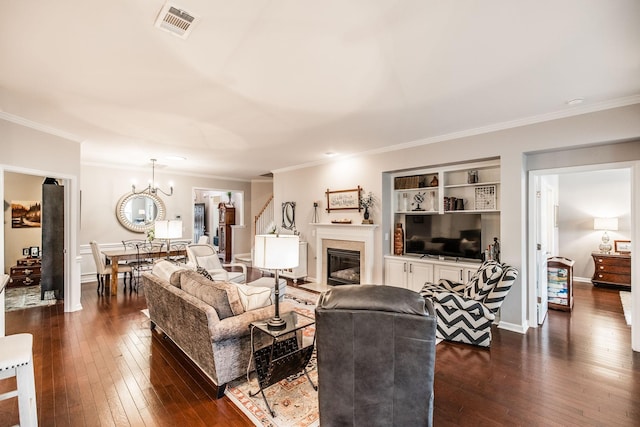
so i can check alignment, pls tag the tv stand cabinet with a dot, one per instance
(411, 272)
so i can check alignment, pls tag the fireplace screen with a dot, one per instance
(343, 267)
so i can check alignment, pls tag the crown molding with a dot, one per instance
(39, 127)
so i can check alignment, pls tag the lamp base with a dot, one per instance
(276, 324)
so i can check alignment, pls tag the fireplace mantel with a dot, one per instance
(347, 232)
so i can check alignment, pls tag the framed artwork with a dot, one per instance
(26, 252)
(343, 199)
(25, 214)
(622, 246)
(35, 251)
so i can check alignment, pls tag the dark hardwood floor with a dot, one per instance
(103, 366)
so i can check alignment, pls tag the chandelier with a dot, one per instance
(152, 188)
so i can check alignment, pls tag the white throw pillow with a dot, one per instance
(209, 262)
(164, 269)
(253, 297)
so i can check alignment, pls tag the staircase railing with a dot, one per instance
(264, 221)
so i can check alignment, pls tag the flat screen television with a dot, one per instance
(448, 235)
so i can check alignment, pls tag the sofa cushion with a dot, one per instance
(222, 296)
(253, 297)
(168, 271)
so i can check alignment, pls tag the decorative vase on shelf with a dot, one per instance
(398, 240)
(366, 219)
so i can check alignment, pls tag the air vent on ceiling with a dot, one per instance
(176, 21)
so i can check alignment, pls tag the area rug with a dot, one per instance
(625, 297)
(27, 297)
(293, 399)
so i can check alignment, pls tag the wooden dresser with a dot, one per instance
(611, 269)
(25, 273)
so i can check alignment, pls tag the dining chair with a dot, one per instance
(103, 269)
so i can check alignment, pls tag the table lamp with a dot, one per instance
(606, 224)
(275, 252)
(167, 230)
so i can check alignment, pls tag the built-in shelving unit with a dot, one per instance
(471, 187)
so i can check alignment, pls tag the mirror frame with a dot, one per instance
(289, 215)
(124, 221)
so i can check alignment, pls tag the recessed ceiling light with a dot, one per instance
(175, 157)
(575, 101)
(330, 154)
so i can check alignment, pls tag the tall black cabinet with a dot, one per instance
(52, 222)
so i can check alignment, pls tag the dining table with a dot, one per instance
(114, 256)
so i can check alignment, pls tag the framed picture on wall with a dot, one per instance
(25, 251)
(35, 251)
(343, 199)
(622, 246)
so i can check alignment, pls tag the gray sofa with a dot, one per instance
(220, 347)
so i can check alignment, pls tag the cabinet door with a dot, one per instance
(448, 272)
(395, 273)
(419, 274)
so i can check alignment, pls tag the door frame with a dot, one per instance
(634, 167)
(72, 288)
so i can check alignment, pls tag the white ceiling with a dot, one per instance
(263, 85)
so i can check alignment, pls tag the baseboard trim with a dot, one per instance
(513, 327)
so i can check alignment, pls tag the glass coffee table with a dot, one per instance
(284, 354)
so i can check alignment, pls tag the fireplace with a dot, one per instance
(345, 237)
(343, 267)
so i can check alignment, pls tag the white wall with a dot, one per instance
(513, 146)
(584, 196)
(29, 151)
(20, 187)
(103, 186)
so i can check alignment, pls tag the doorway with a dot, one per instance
(582, 194)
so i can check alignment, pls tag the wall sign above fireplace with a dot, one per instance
(343, 199)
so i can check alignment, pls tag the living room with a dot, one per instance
(605, 131)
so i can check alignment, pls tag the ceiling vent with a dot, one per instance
(176, 21)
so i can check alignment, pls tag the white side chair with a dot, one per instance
(205, 256)
(102, 269)
(203, 240)
(16, 360)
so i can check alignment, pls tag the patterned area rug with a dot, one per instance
(293, 399)
(625, 298)
(27, 297)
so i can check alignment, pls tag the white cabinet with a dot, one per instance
(299, 272)
(454, 272)
(407, 273)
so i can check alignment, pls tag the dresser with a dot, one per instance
(25, 273)
(611, 269)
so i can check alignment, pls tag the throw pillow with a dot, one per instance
(166, 271)
(230, 290)
(216, 298)
(204, 272)
(209, 262)
(253, 297)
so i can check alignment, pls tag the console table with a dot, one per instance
(611, 269)
(286, 354)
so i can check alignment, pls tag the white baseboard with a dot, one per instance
(521, 329)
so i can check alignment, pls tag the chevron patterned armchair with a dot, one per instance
(466, 311)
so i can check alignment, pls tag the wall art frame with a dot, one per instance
(340, 200)
(622, 246)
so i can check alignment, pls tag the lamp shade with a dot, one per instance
(168, 229)
(610, 224)
(275, 252)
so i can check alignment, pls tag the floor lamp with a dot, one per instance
(275, 252)
(167, 230)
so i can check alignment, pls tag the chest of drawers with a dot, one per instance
(611, 269)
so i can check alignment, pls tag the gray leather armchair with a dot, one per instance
(376, 356)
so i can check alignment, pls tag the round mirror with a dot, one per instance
(289, 215)
(138, 212)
